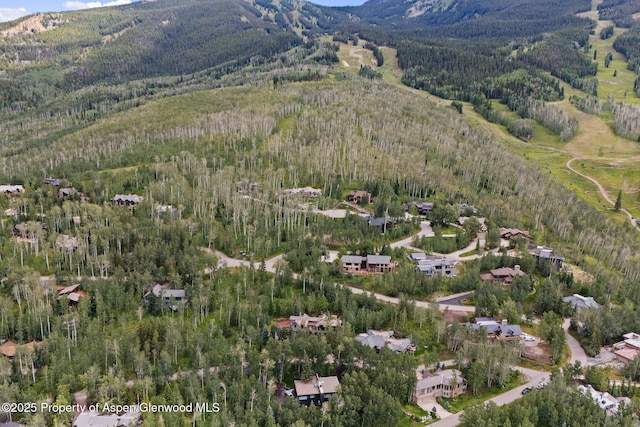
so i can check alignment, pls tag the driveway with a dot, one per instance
(425, 231)
(577, 353)
(534, 377)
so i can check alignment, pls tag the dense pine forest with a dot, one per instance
(169, 144)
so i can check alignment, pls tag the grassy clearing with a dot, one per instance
(619, 87)
(353, 57)
(615, 175)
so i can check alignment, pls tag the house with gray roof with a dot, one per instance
(127, 199)
(369, 264)
(381, 339)
(95, 419)
(544, 254)
(495, 330)
(578, 302)
(316, 390)
(11, 189)
(423, 208)
(432, 265)
(170, 297)
(442, 383)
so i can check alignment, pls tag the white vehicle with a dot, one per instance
(528, 338)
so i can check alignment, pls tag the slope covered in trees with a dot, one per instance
(212, 150)
(146, 39)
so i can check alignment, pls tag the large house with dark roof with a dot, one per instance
(423, 208)
(544, 254)
(513, 233)
(495, 330)
(170, 297)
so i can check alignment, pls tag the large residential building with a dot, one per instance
(359, 197)
(11, 189)
(496, 330)
(512, 233)
(604, 400)
(170, 297)
(432, 265)
(315, 324)
(316, 390)
(423, 208)
(504, 274)
(442, 383)
(368, 264)
(127, 199)
(381, 339)
(579, 302)
(545, 254)
(95, 419)
(629, 348)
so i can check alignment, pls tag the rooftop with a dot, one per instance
(440, 377)
(578, 301)
(94, 419)
(380, 339)
(317, 385)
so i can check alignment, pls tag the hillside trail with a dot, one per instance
(603, 192)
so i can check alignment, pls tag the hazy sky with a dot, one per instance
(13, 9)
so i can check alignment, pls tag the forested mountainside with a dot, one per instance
(142, 40)
(173, 180)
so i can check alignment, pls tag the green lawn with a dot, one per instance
(619, 87)
(464, 401)
(615, 176)
(416, 412)
(449, 229)
(469, 253)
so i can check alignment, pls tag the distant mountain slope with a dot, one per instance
(471, 18)
(145, 39)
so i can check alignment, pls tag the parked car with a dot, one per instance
(541, 384)
(526, 390)
(528, 338)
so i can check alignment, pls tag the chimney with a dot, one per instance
(516, 267)
(504, 322)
